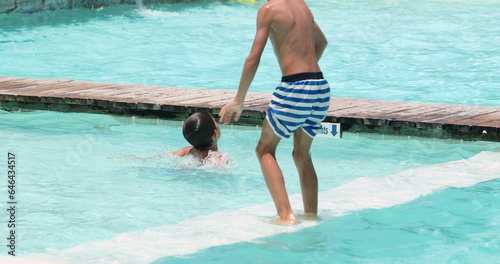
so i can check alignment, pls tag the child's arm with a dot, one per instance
(183, 151)
(249, 68)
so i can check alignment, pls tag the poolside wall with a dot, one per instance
(32, 6)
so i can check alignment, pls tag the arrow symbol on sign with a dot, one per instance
(334, 130)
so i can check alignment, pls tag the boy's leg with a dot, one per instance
(308, 178)
(266, 150)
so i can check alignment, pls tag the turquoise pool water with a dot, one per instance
(101, 188)
(97, 188)
(424, 51)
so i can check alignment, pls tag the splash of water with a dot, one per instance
(214, 160)
(140, 5)
(153, 13)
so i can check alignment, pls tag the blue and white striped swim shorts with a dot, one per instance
(300, 100)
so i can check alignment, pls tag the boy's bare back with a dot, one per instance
(294, 34)
(298, 43)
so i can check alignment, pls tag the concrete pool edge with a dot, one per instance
(356, 115)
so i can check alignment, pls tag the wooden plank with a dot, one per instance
(491, 119)
(490, 123)
(414, 113)
(338, 104)
(460, 115)
(167, 92)
(96, 88)
(359, 111)
(351, 107)
(205, 99)
(441, 115)
(386, 111)
(22, 82)
(5, 83)
(214, 103)
(255, 104)
(161, 98)
(8, 79)
(51, 84)
(9, 85)
(81, 89)
(77, 88)
(146, 90)
(39, 87)
(108, 92)
(54, 89)
(139, 92)
(260, 109)
(190, 94)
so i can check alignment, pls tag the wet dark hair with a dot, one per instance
(198, 130)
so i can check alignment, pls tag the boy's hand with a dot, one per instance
(228, 110)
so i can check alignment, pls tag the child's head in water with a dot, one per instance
(202, 132)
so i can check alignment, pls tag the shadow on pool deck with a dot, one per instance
(356, 115)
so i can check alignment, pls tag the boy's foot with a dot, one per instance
(311, 217)
(288, 220)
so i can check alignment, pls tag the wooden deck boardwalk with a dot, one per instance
(469, 122)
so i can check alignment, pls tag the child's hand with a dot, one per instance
(228, 110)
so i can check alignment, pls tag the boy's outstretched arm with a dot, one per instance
(235, 107)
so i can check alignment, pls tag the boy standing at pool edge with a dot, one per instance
(299, 103)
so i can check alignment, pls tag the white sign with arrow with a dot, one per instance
(331, 130)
